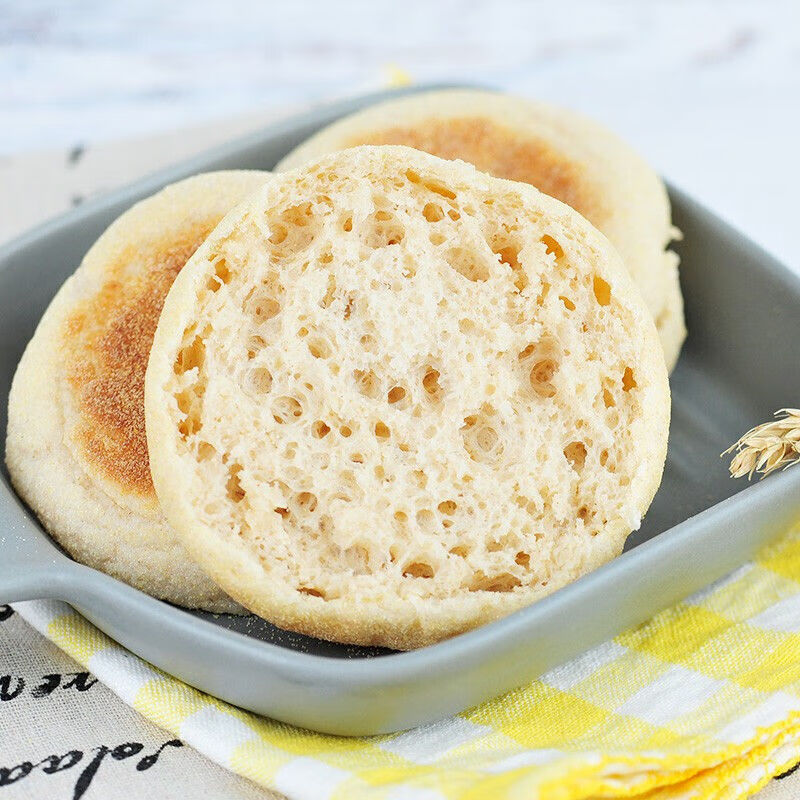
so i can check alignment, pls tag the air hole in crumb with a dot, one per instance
(190, 356)
(254, 344)
(603, 457)
(523, 559)
(628, 381)
(460, 550)
(306, 502)
(345, 431)
(465, 263)
(575, 453)
(298, 215)
(233, 486)
(608, 398)
(396, 394)
(330, 292)
(187, 405)
(510, 255)
(278, 234)
(568, 304)
(367, 382)
(430, 383)
(453, 214)
(222, 275)
(432, 212)
(437, 188)
(205, 451)
(347, 224)
(487, 439)
(420, 478)
(602, 291)
(418, 569)
(552, 246)
(385, 231)
(481, 440)
(258, 380)
(437, 238)
(286, 409)
(319, 430)
(584, 513)
(543, 292)
(290, 234)
(448, 507)
(357, 458)
(382, 431)
(310, 590)
(264, 308)
(318, 347)
(503, 582)
(541, 376)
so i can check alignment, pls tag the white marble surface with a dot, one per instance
(708, 90)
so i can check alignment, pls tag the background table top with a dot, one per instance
(707, 90)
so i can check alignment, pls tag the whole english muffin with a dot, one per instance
(76, 447)
(391, 398)
(562, 153)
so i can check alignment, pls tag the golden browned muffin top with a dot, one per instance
(501, 152)
(107, 342)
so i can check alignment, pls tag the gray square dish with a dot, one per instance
(739, 365)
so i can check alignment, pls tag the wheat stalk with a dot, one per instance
(769, 446)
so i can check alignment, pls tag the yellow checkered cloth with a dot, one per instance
(703, 701)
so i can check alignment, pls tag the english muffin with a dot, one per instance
(76, 447)
(561, 153)
(391, 398)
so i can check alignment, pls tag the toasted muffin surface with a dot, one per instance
(106, 345)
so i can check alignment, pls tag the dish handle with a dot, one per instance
(31, 566)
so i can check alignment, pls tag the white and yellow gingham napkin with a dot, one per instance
(703, 701)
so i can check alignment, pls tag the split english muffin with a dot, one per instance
(391, 398)
(562, 153)
(76, 447)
